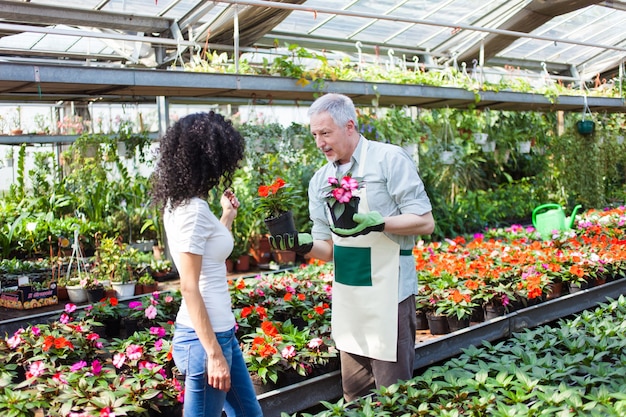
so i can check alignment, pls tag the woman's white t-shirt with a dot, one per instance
(193, 228)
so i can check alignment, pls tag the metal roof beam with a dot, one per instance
(12, 11)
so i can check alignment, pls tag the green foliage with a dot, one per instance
(573, 368)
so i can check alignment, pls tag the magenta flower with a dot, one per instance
(35, 331)
(158, 331)
(70, 308)
(96, 367)
(158, 345)
(342, 195)
(333, 181)
(78, 365)
(135, 305)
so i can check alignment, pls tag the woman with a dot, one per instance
(199, 152)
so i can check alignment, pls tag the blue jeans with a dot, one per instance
(202, 400)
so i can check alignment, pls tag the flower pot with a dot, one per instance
(76, 294)
(478, 314)
(494, 310)
(437, 324)
(455, 323)
(555, 290)
(576, 287)
(422, 321)
(284, 257)
(95, 294)
(261, 250)
(585, 127)
(342, 213)
(124, 291)
(62, 293)
(243, 263)
(230, 266)
(112, 326)
(281, 224)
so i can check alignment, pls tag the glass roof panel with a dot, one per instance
(601, 24)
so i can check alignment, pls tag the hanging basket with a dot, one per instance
(447, 157)
(524, 147)
(585, 127)
(480, 138)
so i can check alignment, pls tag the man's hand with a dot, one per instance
(368, 222)
(300, 243)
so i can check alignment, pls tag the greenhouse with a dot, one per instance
(512, 113)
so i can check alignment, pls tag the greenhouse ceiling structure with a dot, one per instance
(577, 41)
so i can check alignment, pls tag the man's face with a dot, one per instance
(331, 139)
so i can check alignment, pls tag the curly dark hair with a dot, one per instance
(197, 153)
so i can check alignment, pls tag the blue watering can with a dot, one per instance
(550, 217)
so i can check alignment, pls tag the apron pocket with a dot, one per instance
(353, 266)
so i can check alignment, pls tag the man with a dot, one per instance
(373, 309)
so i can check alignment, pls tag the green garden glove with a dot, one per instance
(300, 243)
(368, 222)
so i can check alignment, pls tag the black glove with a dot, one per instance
(300, 243)
(368, 222)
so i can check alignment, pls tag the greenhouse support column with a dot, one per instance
(163, 111)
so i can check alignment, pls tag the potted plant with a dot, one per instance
(109, 312)
(274, 204)
(16, 122)
(114, 260)
(146, 284)
(457, 305)
(343, 200)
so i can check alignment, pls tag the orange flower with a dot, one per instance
(269, 328)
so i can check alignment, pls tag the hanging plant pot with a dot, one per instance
(489, 146)
(447, 157)
(480, 138)
(585, 127)
(524, 147)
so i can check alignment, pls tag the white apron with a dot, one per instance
(365, 290)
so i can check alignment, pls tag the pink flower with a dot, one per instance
(64, 319)
(78, 365)
(60, 378)
(348, 183)
(158, 331)
(342, 195)
(106, 412)
(35, 331)
(36, 369)
(135, 305)
(169, 298)
(118, 360)
(70, 308)
(288, 352)
(134, 352)
(151, 312)
(14, 341)
(333, 181)
(315, 343)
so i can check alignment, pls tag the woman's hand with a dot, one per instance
(218, 373)
(230, 204)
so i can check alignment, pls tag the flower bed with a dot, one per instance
(513, 267)
(574, 368)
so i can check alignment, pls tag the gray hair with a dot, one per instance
(340, 107)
